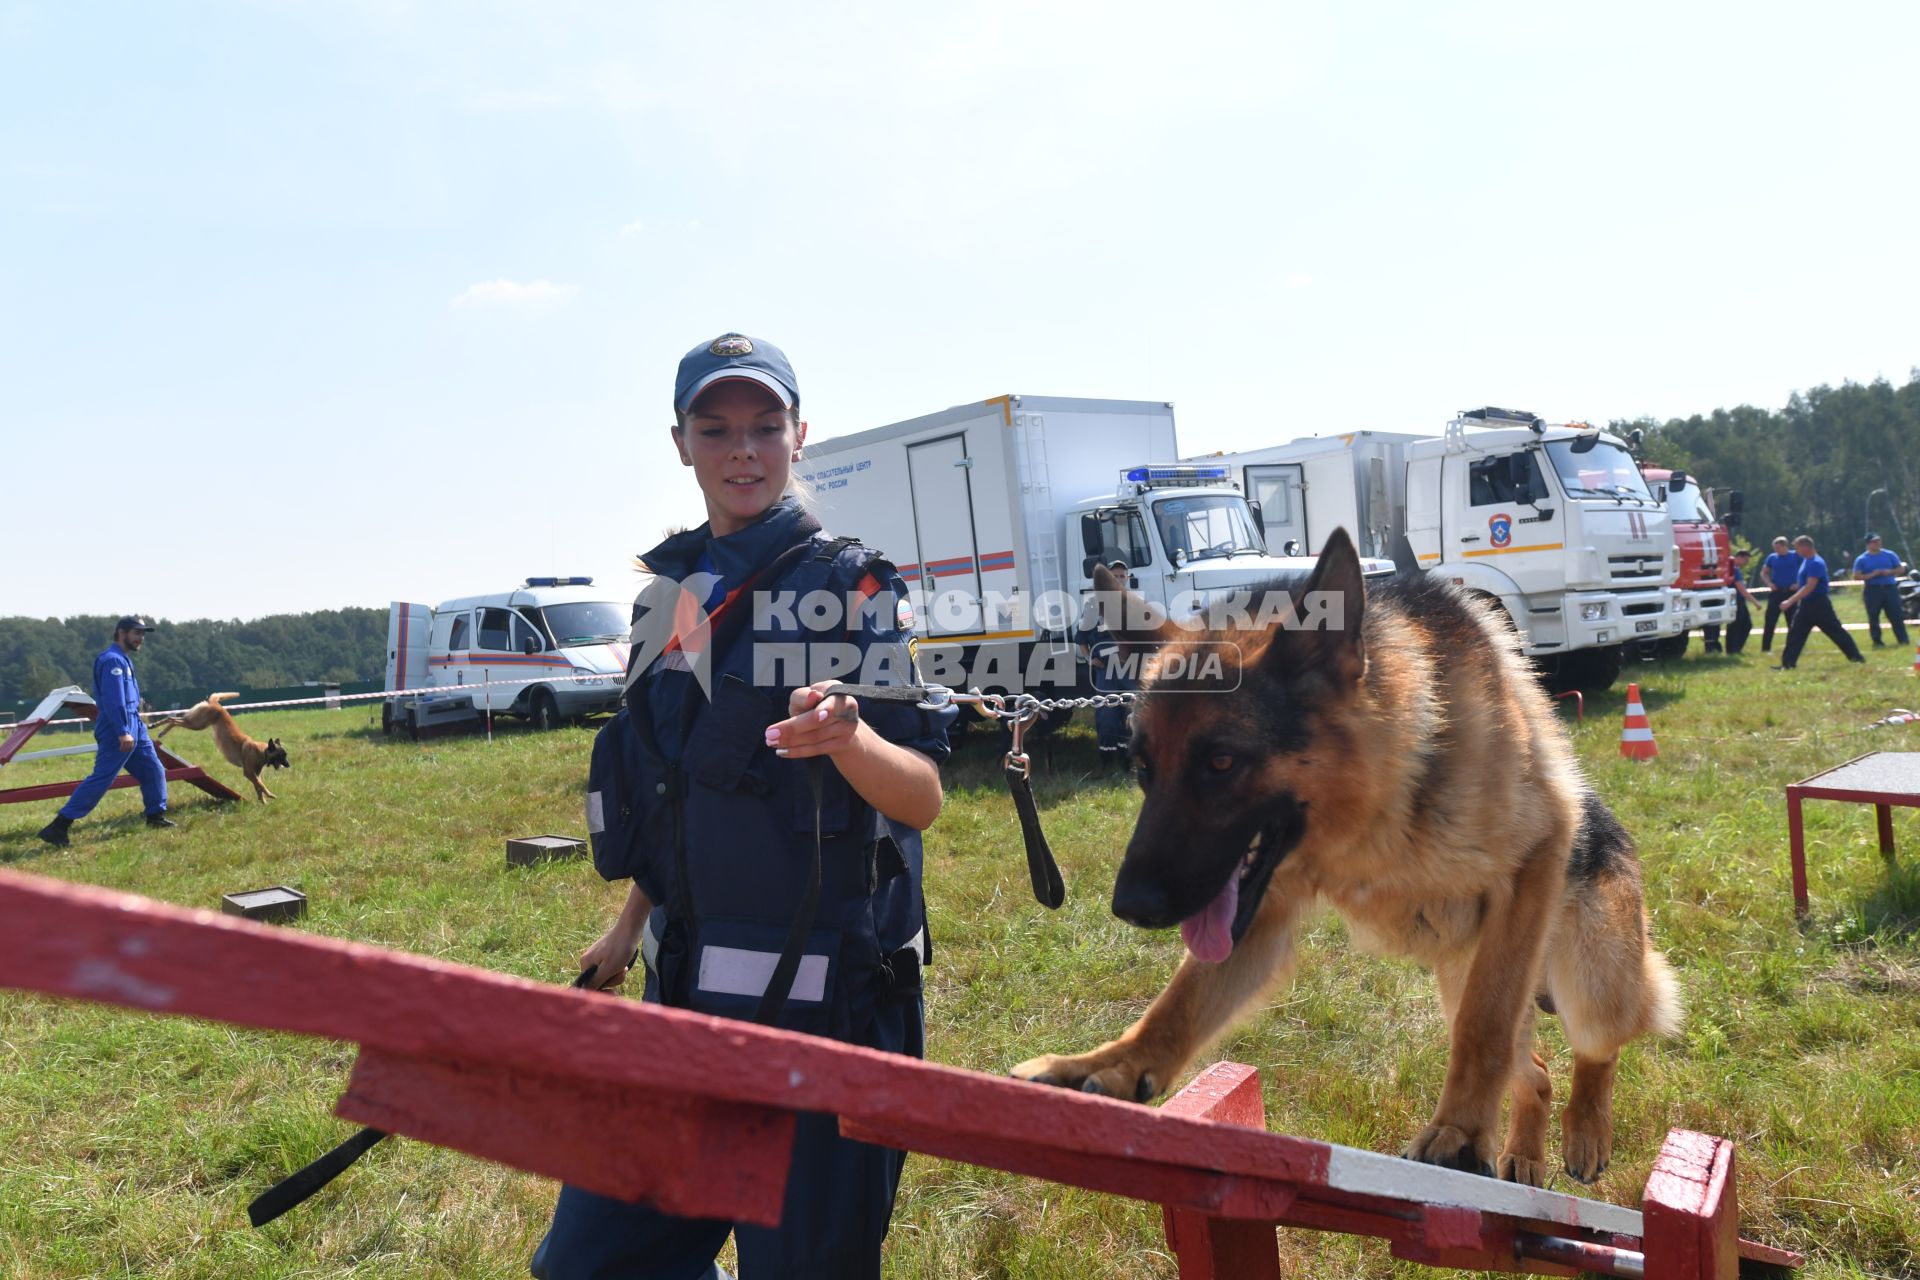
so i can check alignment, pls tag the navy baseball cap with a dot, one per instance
(1872, 537)
(133, 622)
(734, 355)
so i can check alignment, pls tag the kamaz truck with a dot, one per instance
(1553, 523)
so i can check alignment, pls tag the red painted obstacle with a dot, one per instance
(76, 700)
(537, 1077)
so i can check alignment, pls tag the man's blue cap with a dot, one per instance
(1872, 537)
(734, 355)
(133, 622)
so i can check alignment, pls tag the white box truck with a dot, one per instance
(1553, 522)
(996, 513)
(562, 637)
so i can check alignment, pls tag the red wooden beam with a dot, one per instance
(529, 1075)
(1208, 1246)
(691, 1156)
(1692, 1227)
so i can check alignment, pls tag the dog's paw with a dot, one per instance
(1588, 1154)
(1529, 1170)
(1452, 1148)
(1103, 1073)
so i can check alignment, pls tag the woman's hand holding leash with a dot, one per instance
(896, 780)
(817, 725)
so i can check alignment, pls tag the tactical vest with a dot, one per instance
(722, 840)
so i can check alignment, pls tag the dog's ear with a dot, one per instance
(1127, 616)
(1324, 633)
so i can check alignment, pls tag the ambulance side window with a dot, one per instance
(495, 630)
(458, 639)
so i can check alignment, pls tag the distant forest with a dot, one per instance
(1810, 467)
(41, 654)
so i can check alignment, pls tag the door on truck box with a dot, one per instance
(940, 478)
(409, 640)
(1279, 488)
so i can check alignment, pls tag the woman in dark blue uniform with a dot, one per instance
(731, 774)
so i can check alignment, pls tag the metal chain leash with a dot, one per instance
(1017, 711)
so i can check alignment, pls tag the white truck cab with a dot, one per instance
(1552, 521)
(553, 627)
(1186, 533)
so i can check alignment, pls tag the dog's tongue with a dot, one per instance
(1208, 932)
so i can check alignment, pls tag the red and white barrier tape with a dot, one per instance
(334, 698)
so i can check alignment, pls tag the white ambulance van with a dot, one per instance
(564, 638)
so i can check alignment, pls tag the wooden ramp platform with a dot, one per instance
(536, 1077)
(76, 700)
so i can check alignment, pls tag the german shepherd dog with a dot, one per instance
(249, 756)
(1403, 764)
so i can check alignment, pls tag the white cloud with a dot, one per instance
(512, 293)
(633, 228)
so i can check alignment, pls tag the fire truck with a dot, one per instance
(1702, 591)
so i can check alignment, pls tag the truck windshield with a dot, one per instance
(587, 622)
(1601, 470)
(1207, 526)
(1690, 505)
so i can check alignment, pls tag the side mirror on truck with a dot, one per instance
(531, 644)
(1677, 482)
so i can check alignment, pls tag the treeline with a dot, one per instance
(1810, 467)
(40, 654)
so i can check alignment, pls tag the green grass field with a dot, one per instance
(130, 1144)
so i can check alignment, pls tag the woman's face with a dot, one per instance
(741, 445)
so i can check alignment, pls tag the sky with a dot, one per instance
(305, 305)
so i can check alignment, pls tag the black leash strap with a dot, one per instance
(1049, 890)
(780, 985)
(303, 1183)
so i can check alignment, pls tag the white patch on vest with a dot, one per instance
(596, 814)
(735, 971)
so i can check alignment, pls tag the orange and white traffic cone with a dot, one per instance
(1636, 739)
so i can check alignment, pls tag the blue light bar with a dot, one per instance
(559, 582)
(1175, 475)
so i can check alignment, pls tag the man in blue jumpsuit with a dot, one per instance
(1879, 573)
(1812, 608)
(119, 734)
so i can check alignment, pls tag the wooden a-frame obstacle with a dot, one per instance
(77, 700)
(538, 1078)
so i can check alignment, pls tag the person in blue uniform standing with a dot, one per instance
(1109, 671)
(1780, 575)
(119, 735)
(1811, 607)
(732, 773)
(1879, 573)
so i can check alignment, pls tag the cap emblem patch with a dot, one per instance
(731, 346)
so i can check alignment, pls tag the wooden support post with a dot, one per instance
(1208, 1247)
(1689, 1210)
(1797, 852)
(1884, 812)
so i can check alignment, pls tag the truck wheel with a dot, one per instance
(1673, 647)
(413, 726)
(1597, 669)
(386, 719)
(545, 711)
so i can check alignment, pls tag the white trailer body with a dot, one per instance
(558, 645)
(996, 511)
(1554, 522)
